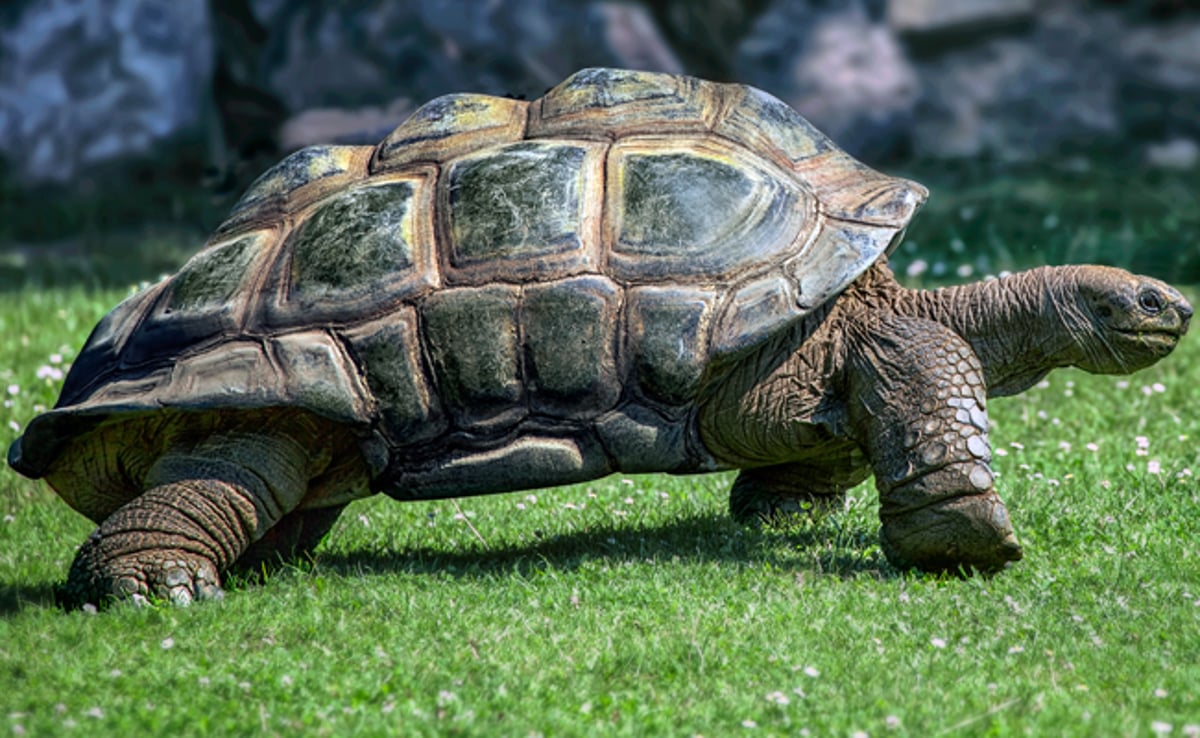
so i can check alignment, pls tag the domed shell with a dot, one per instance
(494, 260)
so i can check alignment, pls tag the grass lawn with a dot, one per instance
(633, 606)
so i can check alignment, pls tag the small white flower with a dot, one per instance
(938, 642)
(778, 698)
(14, 389)
(168, 643)
(749, 724)
(1092, 447)
(917, 268)
(812, 671)
(1158, 387)
(1161, 728)
(1153, 467)
(49, 372)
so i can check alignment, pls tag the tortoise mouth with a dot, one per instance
(1160, 340)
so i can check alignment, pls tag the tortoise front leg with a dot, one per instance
(918, 407)
(202, 509)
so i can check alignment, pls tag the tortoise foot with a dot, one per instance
(962, 534)
(98, 576)
(774, 495)
(777, 510)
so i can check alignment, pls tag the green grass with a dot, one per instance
(634, 607)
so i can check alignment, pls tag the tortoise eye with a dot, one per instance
(1151, 302)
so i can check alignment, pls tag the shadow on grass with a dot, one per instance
(17, 597)
(807, 547)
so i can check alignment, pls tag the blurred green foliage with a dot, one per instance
(990, 219)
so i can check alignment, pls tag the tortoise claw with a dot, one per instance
(98, 578)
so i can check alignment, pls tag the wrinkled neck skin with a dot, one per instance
(1020, 326)
(788, 401)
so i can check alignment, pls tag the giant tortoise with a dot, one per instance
(637, 272)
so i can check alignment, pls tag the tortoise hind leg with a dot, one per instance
(772, 494)
(203, 507)
(294, 538)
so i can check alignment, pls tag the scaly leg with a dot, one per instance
(771, 494)
(293, 538)
(918, 407)
(203, 507)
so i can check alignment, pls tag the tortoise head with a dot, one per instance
(1123, 322)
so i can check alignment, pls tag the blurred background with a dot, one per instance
(1048, 130)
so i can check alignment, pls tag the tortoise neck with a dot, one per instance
(1020, 326)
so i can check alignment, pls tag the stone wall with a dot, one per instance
(85, 83)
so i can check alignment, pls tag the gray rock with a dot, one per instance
(365, 54)
(83, 83)
(1018, 97)
(914, 17)
(1160, 86)
(1180, 154)
(843, 70)
(630, 33)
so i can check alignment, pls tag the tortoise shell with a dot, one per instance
(495, 267)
